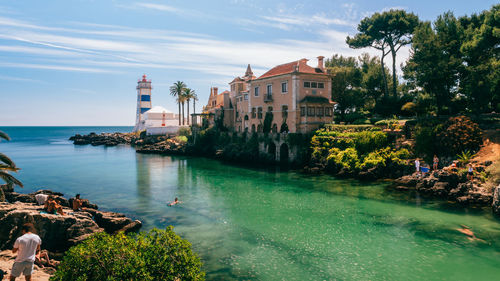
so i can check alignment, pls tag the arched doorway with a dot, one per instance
(284, 153)
(274, 128)
(284, 128)
(271, 149)
(253, 128)
(259, 128)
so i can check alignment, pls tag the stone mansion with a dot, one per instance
(293, 97)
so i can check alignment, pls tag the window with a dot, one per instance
(269, 109)
(237, 114)
(310, 111)
(253, 112)
(284, 111)
(314, 92)
(307, 84)
(270, 89)
(259, 113)
(321, 85)
(314, 85)
(256, 91)
(246, 96)
(284, 87)
(320, 111)
(328, 111)
(302, 111)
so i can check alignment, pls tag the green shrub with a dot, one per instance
(181, 139)
(386, 158)
(338, 159)
(369, 141)
(184, 131)
(348, 128)
(155, 255)
(459, 134)
(425, 140)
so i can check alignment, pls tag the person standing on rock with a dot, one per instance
(470, 172)
(26, 247)
(417, 166)
(435, 162)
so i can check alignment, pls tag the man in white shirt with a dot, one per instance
(26, 247)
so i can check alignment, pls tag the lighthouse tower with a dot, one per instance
(143, 102)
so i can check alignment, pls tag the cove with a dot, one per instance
(266, 224)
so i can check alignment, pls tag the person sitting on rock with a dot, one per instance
(41, 198)
(26, 248)
(52, 207)
(42, 259)
(77, 203)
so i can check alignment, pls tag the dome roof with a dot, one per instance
(158, 109)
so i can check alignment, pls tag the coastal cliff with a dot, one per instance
(58, 232)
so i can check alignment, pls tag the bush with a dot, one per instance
(369, 141)
(184, 131)
(181, 139)
(155, 255)
(338, 159)
(459, 134)
(348, 128)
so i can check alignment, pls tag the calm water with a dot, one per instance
(265, 224)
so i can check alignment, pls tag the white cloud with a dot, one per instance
(158, 7)
(92, 50)
(54, 67)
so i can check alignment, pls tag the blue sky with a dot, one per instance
(76, 62)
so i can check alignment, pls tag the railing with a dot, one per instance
(268, 97)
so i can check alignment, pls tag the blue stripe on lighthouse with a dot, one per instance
(145, 98)
(144, 109)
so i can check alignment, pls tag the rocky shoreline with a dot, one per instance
(58, 232)
(143, 144)
(451, 186)
(107, 139)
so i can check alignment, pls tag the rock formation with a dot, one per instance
(58, 232)
(446, 185)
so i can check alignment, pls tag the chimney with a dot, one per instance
(320, 63)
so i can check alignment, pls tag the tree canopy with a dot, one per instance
(387, 32)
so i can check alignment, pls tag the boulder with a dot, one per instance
(496, 201)
(440, 189)
(114, 222)
(409, 180)
(57, 232)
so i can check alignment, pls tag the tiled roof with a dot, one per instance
(237, 79)
(291, 67)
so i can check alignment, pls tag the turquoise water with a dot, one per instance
(258, 224)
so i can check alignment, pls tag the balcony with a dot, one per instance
(268, 97)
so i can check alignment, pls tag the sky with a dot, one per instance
(77, 62)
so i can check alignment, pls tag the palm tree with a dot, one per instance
(177, 90)
(189, 95)
(7, 165)
(182, 100)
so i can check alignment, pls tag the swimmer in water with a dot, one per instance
(176, 201)
(467, 231)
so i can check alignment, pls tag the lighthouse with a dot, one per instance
(143, 102)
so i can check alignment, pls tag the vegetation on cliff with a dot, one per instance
(360, 151)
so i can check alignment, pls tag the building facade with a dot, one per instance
(292, 97)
